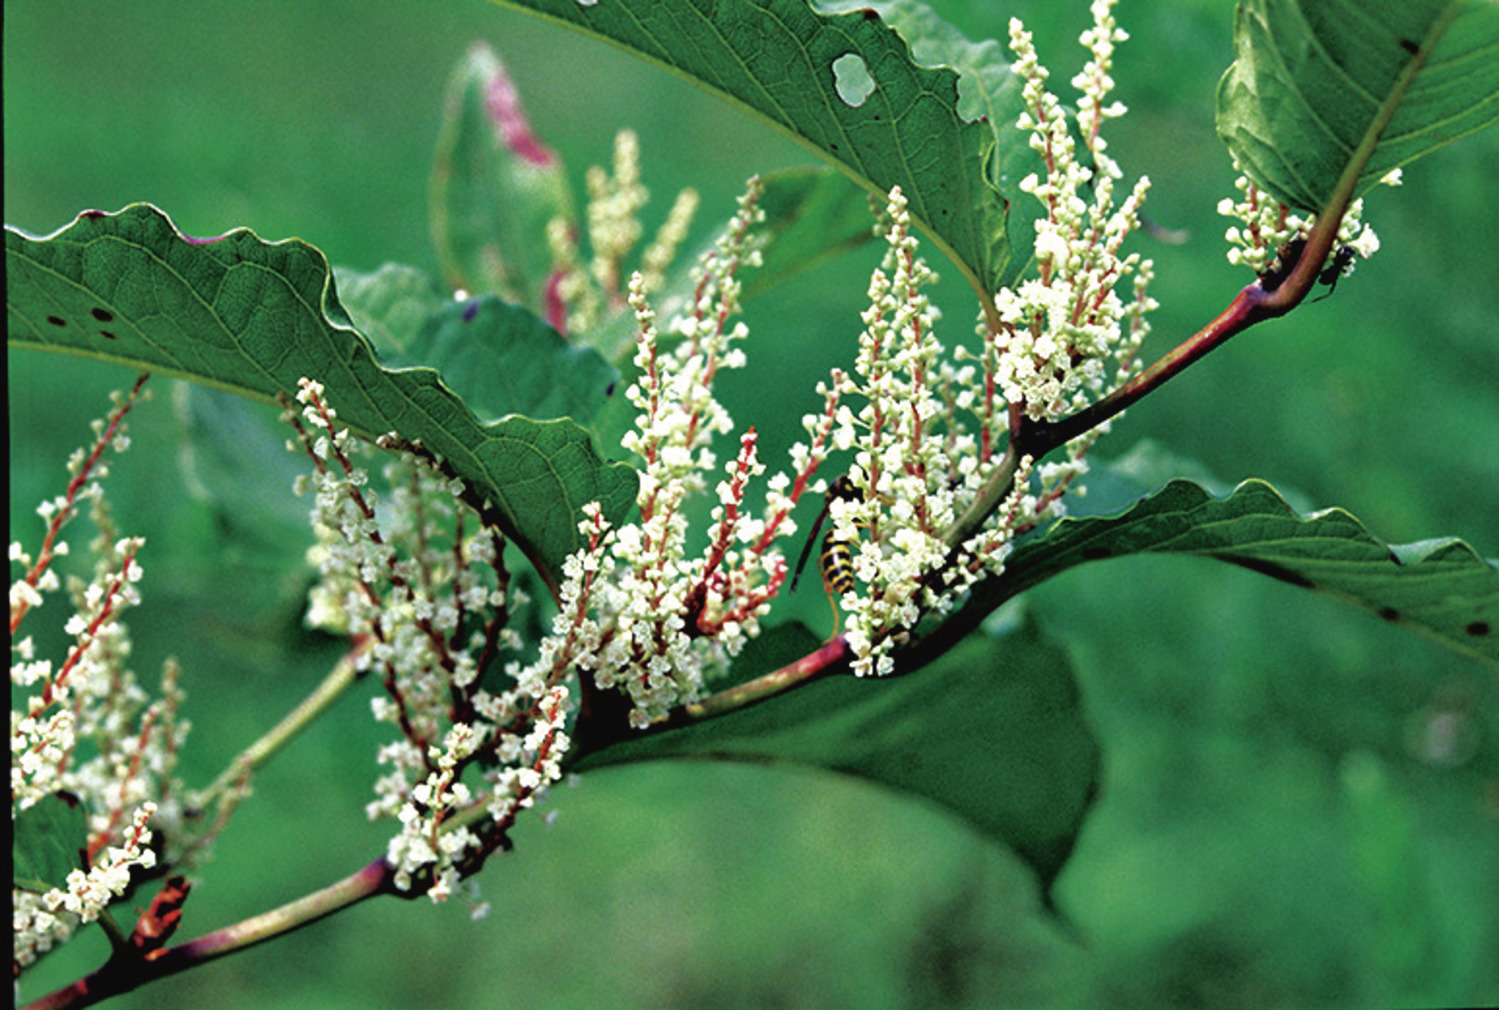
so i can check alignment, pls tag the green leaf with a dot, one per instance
(495, 187)
(501, 359)
(224, 438)
(253, 317)
(50, 837)
(798, 69)
(987, 89)
(1441, 588)
(390, 306)
(992, 732)
(811, 215)
(1317, 85)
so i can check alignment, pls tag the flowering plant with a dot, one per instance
(583, 569)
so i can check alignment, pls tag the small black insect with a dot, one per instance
(1290, 253)
(1341, 261)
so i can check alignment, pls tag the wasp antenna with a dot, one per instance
(840, 488)
(801, 562)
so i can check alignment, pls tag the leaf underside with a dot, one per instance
(1440, 588)
(48, 841)
(1313, 81)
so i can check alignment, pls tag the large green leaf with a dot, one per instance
(801, 70)
(495, 187)
(993, 732)
(1318, 84)
(987, 89)
(1441, 588)
(253, 317)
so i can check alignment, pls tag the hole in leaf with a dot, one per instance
(56, 321)
(851, 79)
(103, 315)
(106, 335)
(587, 3)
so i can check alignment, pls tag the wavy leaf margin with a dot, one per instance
(253, 317)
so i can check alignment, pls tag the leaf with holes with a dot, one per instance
(1318, 86)
(253, 317)
(841, 78)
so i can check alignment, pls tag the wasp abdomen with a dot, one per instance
(837, 564)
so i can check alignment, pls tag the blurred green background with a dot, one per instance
(1300, 805)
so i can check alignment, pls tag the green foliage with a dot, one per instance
(48, 842)
(993, 731)
(242, 314)
(776, 58)
(1317, 85)
(812, 215)
(1016, 759)
(390, 306)
(495, 187)
(1441, 588)
(500, 359)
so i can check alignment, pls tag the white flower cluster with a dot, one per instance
(636, 609)
(420, 843)
(1266, 225)
(614, 203)
(428, 605)
(1067, 335)
(529, 765)
(84, 727)
(639, 614)
(907, 471)
(44, 920)
(929, 431)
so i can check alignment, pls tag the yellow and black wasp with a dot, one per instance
(836, 562)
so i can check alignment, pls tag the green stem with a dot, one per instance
(804, 670)
(323, 696)
(994, 491)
